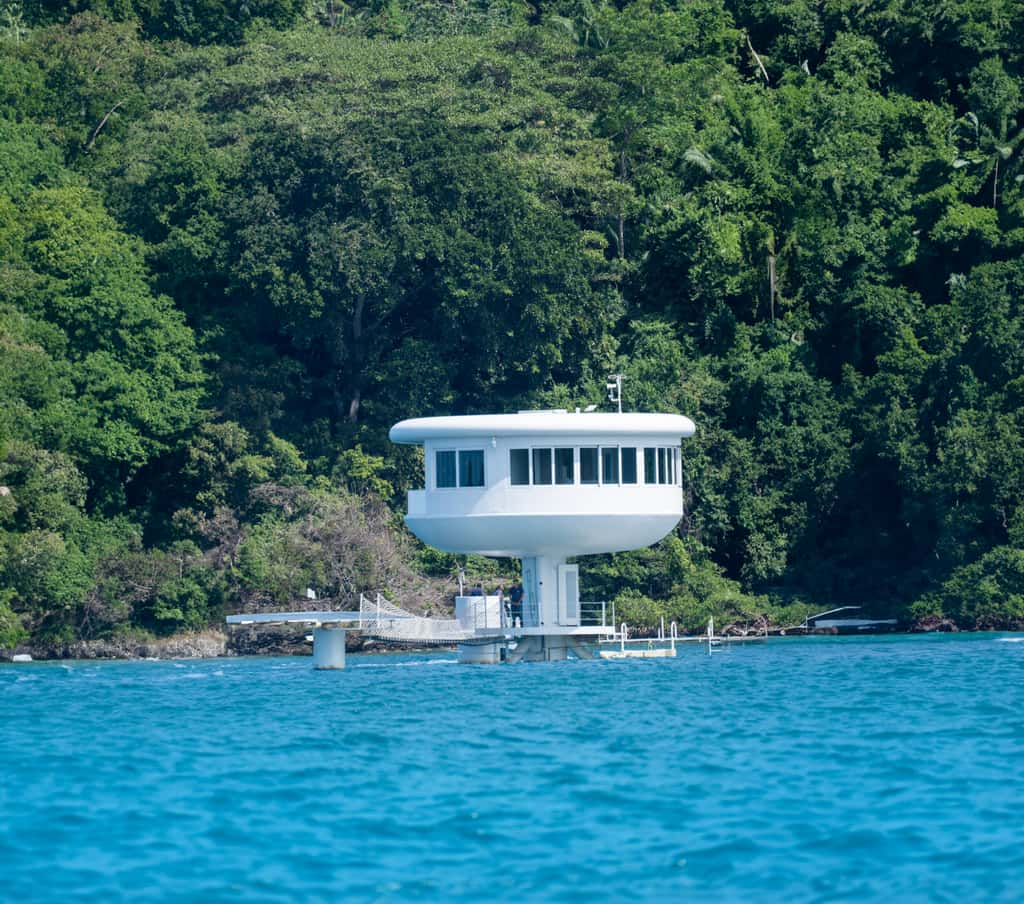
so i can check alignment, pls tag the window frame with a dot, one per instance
(529, 466)
(615, 462)
(455, 469)
(572, 466)
(483, 469)
(622, 470)
(551, 465)
(597, 465)
(650, 472)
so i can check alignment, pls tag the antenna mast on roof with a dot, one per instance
(615, 390)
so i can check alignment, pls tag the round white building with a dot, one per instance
(542, 486)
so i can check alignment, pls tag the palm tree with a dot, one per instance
(990, 128)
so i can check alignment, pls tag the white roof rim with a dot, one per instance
(542, 423)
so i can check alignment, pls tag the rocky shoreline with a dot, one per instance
(295, 640)
(250, 640)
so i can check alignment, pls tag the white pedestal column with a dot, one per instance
(329, 648)
(543, 588)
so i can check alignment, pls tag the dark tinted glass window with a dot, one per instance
(628, 465)
(542, 466)
(563, 466)
(519, 466)
(610, 465)
(588, 465)
(471, 468)
(662, 470)
(650, 469)
(445, 476)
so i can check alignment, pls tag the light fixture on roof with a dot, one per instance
(615, 390)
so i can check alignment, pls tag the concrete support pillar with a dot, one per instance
(329, 648)
(550, 648)
(555, 648)
(480, 653)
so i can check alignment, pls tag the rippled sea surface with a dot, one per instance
(820, 769)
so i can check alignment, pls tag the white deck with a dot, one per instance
(650, 653)
(279, 618)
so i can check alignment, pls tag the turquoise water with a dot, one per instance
(820, 769)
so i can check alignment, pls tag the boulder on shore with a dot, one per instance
(932, 623)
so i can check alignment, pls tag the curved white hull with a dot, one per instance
(523, 535)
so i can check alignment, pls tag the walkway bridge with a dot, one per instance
(383, 620)
(482, 623)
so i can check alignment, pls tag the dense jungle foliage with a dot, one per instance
(240, 238)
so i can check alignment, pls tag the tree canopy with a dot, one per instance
(239, 240)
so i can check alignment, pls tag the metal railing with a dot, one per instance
(621, 637)
(593, 614)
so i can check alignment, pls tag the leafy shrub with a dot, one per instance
(988, 593)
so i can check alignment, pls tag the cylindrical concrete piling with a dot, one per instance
(328, 648)
(480, 653)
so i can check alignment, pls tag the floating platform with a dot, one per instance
(655, 653)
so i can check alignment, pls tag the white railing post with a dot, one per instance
(622, 637)
(604, 606)
(673, 632)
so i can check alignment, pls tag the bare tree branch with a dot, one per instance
(103, 122)
(764, 71)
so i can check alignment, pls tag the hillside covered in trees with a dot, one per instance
(238, 240)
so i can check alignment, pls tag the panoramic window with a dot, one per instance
(444, 476)
(471, 468)
(519, 466)
(650, 469)
(671, 465)
(628, 465)
(542, 466)
(563, 466)
(588, 465)
(610, 465)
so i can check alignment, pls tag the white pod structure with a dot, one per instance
(542, 486)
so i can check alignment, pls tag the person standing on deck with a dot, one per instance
(516, 601)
